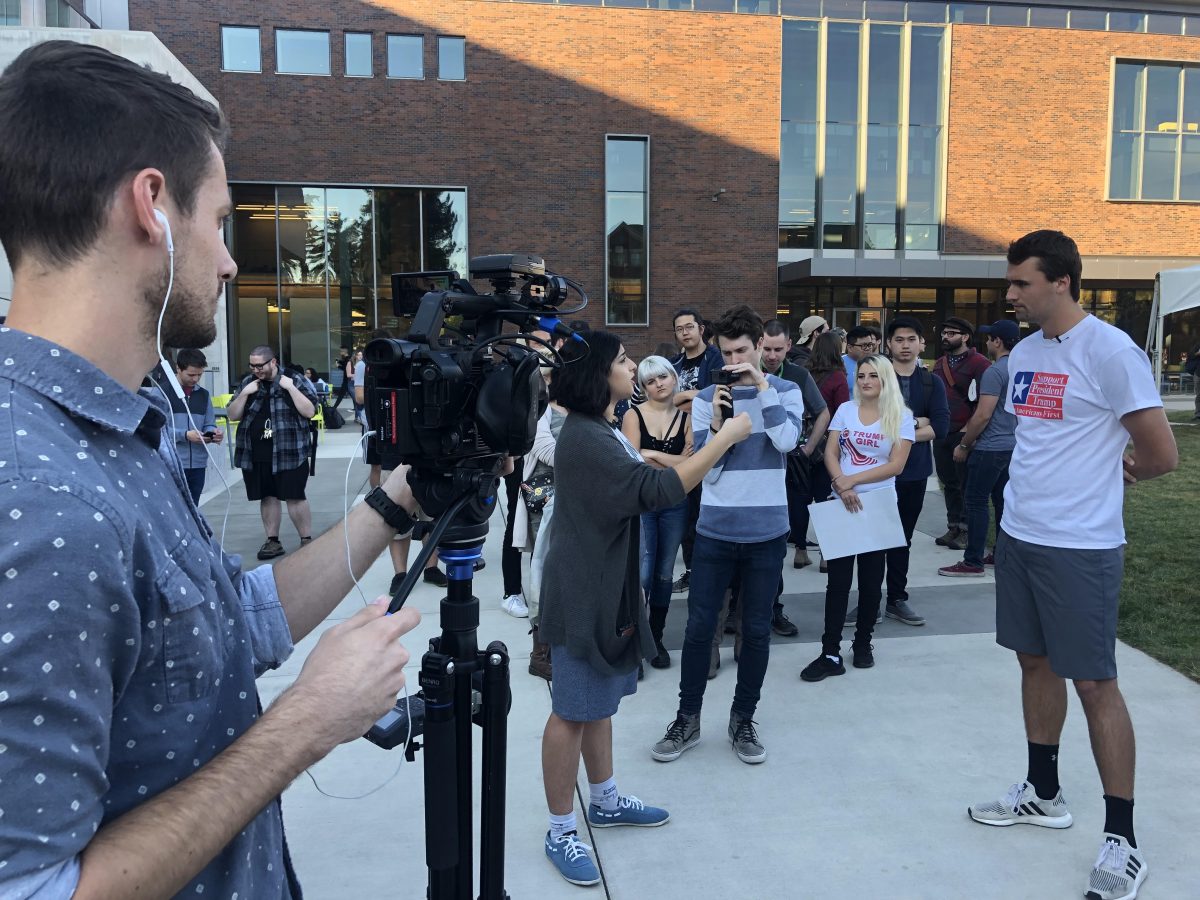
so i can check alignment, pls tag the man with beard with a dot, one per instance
(272, 447)
(130, 642)
(959, 367)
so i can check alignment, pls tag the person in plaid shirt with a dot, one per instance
(273, 445)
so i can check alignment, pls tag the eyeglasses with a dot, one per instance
(257, 366)
(685, 329)
(950, 332)
(865, 345)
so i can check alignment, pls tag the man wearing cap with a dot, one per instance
(960, 367)
(986, 447)
(810, 329)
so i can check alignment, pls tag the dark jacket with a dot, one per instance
(711, 360)
(926, 397)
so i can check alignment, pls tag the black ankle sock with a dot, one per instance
(1118, 818)
(272, 537)
(1043, 769)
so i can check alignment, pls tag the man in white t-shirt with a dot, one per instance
(1080, 389)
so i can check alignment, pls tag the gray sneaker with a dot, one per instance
(902, 612)
(683, 734)
(1022, 806)
(852, 616)
(745, 740)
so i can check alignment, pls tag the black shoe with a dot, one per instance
(662, 659)
(864, 658)
(782, 625)
(397, 580)
(434, 575)
(681, 583)
(478, 564)
(270, 549)
(823, 667)
(730, 624)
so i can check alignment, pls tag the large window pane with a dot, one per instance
(702, 5)
(1008, 15)
(397, 244)
(348, 226)
(839, 201)
(240, 49)
(302, 52)
(757, 7)
(1126, 21)
(303, 327)
(1047, 17)
(1126, 157)
(1162, 98)
(925, 76)
(1089, 19)
(968, 13)
(810, 8)
(302, 235)
(922, 215)
(10, 12)
(1191, 100)
(1191, 25)
(1158, 167)
(843, 9)
(444, 238)
(798, 183)
(1127, 97)
(452, 58)
(886, 10)
(879, 226)
(841, 89)
(1161, 23)
(627, 262)
(883, 89)
(1189, 172)
(252, 244)
(927, 12)
(358, 55)
(799, 88)
(405, 56)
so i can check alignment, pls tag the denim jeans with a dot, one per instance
(195, 483)
(987, 474)
(662, 530)
(714, 566)
(910, 497)
(952, 475)
(837, 598)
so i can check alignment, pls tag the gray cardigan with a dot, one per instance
(591, 593)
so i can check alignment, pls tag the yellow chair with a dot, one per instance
(318, 418)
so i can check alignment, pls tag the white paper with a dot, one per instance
(874, 527)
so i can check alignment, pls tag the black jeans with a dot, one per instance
(910, 497)
(799, 495)
(689, 533)
(953, 477)
(837, 598)
(510, 556)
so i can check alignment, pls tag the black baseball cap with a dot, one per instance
(1005, 329)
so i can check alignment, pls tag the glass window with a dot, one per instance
(1191, 100)
(799, 88)
(10, 12)
(1047, 17)
(841, 73)
(754, 7)
(702, 5)
(358, 55)
(630, 4)
(405, 56)
(1126, 161)
(1160, 23)
(886, 10)
(59, 15)
(883, 88)
(1158, 166)
(809, 8)
(444, 230)
(626, 259)
(1189, 168)
(302, 52)
(843, 9)
(1162, 98)
(925, 77)
(1089, 19)
(256, 287)
(1008, 15)
(452, 58)
(883, 138)
(922, 215)
(1191, 25)
(397, 243)
(1128, 92)
(927, 12)
(240, 49)
(798, 184)
(840, 189)
(968, 13)
(1126, 21)
(348, 231)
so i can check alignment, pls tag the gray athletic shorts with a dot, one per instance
(1060, 603)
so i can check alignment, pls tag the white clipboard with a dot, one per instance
(875, 527)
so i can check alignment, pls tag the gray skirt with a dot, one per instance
(581, 694)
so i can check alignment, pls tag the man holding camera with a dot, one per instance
(194, 420)
(742, 531)
(272, 447)
(130, 644)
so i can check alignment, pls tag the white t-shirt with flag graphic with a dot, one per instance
(1065, 486)
(864, 447)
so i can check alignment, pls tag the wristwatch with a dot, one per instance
(393, 513)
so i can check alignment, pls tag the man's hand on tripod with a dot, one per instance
(352, 677)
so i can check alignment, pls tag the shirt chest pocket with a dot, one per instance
(193, 644)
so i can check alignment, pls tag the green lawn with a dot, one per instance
(1160, 599)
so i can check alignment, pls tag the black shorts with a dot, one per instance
(289, 485)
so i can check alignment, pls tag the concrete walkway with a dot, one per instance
(866, 785)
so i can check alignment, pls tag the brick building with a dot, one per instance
(855, 159)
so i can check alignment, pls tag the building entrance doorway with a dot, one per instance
(849, 316)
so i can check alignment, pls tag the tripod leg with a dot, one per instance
(495, 666)
(441, 781)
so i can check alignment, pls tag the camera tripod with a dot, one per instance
(452, 670)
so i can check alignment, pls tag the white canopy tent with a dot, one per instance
(1174, 291)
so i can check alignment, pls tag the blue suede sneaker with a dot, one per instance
(630, 811)
(573, 858)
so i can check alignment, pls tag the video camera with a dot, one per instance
(463, 395)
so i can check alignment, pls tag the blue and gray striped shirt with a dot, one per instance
(745, 500)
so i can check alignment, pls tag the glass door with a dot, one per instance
(848, 317)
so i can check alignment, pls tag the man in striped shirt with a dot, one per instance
(742, 530)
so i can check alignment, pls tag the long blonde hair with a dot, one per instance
(892, 410)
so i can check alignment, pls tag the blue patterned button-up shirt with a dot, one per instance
(129, 642)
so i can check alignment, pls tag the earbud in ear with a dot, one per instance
(162, 220)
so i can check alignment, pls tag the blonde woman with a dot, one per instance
(869, 440)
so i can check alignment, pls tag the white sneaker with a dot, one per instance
(1119, 871)
(514, 605)
(1022, 806)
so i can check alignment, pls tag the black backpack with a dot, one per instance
(333, 418)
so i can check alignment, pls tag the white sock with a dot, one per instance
(604, 794)
(560, 825)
